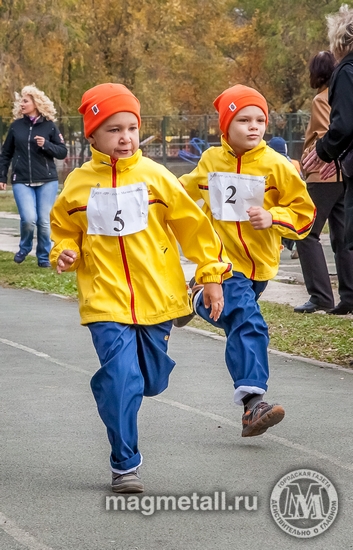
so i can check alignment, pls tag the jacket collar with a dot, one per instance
(347, 59)
(250, 156)
(100, 161)
(28, 120)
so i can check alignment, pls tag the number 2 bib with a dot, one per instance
(119, 211)
(231, 195)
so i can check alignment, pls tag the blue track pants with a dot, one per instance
(134, 363)
(246, 331)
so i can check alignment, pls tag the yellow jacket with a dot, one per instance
(256, 253)
(135, 279)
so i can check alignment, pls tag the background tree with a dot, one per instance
(275, 41)
(177, 56)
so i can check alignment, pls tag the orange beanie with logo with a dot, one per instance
(235, 98)
(104, 100)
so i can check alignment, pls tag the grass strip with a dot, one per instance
(29, 275)
(7, 202)
(317, 336)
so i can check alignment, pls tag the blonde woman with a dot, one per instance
(32, 143)
(339, 136)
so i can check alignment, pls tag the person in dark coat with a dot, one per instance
(32, 143)
(339, 137)
(328, 196)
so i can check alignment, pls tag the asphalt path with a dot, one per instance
(55, 456)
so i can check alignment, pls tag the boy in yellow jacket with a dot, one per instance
(117, 222)
(253, 196)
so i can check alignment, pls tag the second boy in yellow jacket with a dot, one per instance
(255, 253)
(253, 197)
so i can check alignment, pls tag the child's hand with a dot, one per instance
(65, 260)
(213, 296)
(259, 217)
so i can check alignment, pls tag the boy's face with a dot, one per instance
(117, 136)
(246, 129)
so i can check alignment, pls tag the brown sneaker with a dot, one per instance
(127, 483)
(180, 322)
(260, 417)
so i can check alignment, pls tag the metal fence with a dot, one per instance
(162, 138)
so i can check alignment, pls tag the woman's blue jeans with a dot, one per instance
(34, 205)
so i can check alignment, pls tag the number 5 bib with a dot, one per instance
(231, 195)
(119, 211)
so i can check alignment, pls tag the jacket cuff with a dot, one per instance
(212, 279)
(321, 153)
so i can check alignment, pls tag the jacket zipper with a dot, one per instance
(247, 252)
(125, 262)
(29, 154)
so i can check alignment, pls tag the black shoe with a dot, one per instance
(341, 309)
(44, 264)
(310, 307)
(19, 257)
(183, 321)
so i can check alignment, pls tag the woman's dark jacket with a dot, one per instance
(30, 163)
(340, 98)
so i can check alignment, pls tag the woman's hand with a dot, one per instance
(328, 171)
(312, 162)
(40, 140)
(3, 186)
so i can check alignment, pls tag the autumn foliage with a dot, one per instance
(175, 55)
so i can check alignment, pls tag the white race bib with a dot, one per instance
(119, 211)
(231, 195)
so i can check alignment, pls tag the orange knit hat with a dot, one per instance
(236, 98)
(104, 100)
